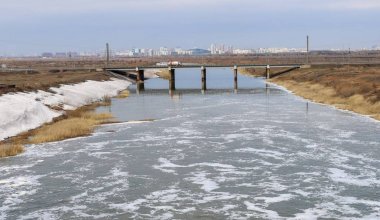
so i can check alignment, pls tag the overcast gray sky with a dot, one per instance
(35, 26)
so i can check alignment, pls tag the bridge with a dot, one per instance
(136, 74)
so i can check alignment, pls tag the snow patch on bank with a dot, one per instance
(21, 112)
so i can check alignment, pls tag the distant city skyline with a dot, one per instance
(34, 27)
(214, 49)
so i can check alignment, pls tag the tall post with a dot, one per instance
(203, 76)
(235, 78)
(268, 71)
(140, 79)
(307, 49)
(107, 54)
(171, 79)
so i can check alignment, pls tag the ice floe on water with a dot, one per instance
(200, 178)
(339, 175)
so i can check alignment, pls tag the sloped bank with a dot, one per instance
(354, 88)
(20, 112)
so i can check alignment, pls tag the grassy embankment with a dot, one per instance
(78, 123)
(354, 88)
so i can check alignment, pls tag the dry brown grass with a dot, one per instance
(327, 95)
(345, 80)
(261, 72)
(252, 72)
(78, 123)
(123, 94)
(355, 88)
(8, 150)
(71, 127)
(164, 74)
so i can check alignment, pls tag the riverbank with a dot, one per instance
(58, 113)
(354, 88)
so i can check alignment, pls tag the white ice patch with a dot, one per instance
(15, 190)
(184, 132)
(165, 164)
(280, 198)
(262, 152)
(164, 196)
(200, 178)
(21, 112)
(128, 207)
(341, 176)
(116, 172)
(168, 167)
(262, 211)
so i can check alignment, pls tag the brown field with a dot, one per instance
(44, 80)
(261, 72)
(315, 57)
(355, 88)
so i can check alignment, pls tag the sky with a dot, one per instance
(36, 26)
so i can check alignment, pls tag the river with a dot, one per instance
(260, 153)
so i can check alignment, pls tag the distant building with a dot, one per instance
(47, 55)
(376, 47)
(198, 52)
(150, 52)
(242, 51)
(61, 55)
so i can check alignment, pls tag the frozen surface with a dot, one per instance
(24, 111)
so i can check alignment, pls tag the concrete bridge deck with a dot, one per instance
(205, 66)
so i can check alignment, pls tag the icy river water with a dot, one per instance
(262, 153)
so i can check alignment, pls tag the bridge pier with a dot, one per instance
(235, 79)
(268, 71)
(203, 78)
(140, 80)
(171, 79)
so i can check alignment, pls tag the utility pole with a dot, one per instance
(107, 54)
(349, 58)
(307, 49)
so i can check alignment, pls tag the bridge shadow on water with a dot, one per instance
(187, 91)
